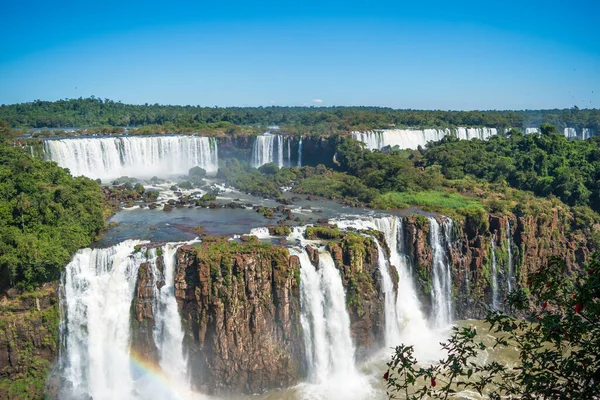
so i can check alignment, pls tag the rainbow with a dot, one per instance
(145, 369)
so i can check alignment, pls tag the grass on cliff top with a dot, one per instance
(431, 200)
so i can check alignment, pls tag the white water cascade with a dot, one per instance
(138, 156)
(570, 133)
(392, 329)
(96, 296)
(326, 329)
(441, 279)
(271, 148)
(529, 131)
(412, 324)
(98, 287)
(510, 277)
(413, 138)
(495, 291)
(168, 332)
(300, 153)
(408, 325)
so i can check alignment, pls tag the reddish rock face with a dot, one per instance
(241, 314)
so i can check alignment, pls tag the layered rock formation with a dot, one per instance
(240, 308)
(533, 241)
(28, 342)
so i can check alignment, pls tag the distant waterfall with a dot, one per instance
(570, 133)
(271, 148)
(441, 279)
(136, 156)
(325, 320)
(529, 131)
(97, 290)
(300, 152)
(587, 133)
(495, 291)
(413, 138)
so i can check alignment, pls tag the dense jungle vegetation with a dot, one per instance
(155, 118)
(46, 215)
(520, 174)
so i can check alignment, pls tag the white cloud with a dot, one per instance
(318, 101)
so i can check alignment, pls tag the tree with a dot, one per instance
(558, 343)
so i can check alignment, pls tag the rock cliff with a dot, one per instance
(28, 342)
(240, 308)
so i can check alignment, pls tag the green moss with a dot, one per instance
(323, 232)
(280, 230)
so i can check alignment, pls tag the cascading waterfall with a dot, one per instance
(96, 296)
(139, 156)
(587, 133)
(495, 291)
(300, 152)
(270, 147)
(441, 279)
(392, 330)
(168, 332)
(409, 325)
(412, 324)
(413, 138)
(98, 288)
(326, 329)
(510, 277)
(570, 133)
(279, 151)
(529, 131)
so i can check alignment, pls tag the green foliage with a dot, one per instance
(269, 169)
(45, 216)
(323, 232)
(428, 200)
(558, 345)
(197, 172)
(545, 163)
(109, 116)
(185, 185)
(253, 181)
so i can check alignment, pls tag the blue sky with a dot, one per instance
(422, 55)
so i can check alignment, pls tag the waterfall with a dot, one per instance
(279, 151)
(510, 278)
(441, 279)
(413, 138)
(96, 293)
(587, 133)
(137, 156)
(495, 293)
(392, 331)
(325, 320)
(98, 288)
(289, 152)
(529, 131)
(168, 332)
(300, 152)
(570, 133)
(409, 323)
(267, 147)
